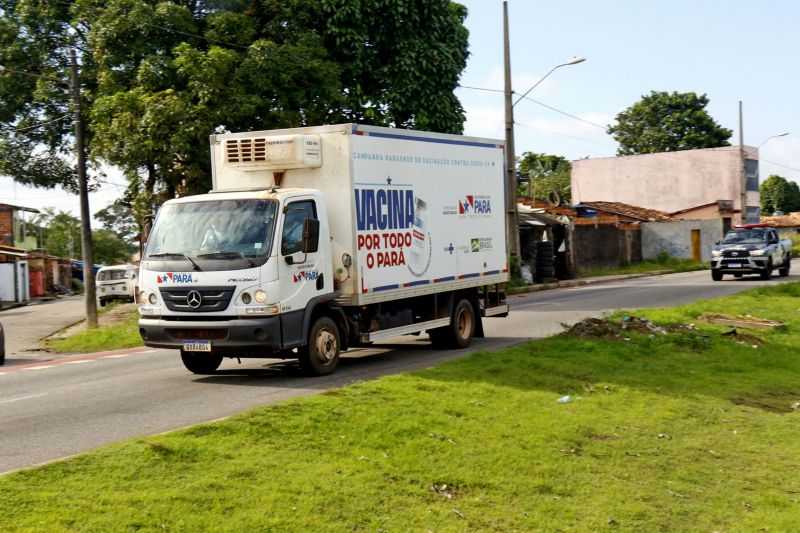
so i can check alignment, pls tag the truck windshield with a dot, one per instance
(745, 237)
(211, 234)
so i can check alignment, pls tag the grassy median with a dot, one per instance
(670, 425)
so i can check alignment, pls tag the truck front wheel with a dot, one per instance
(201, 362)
(784, 270)
(321, 355)
(460, 331)
(766, 274)
(716, 276)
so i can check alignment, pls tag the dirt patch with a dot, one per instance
(744, 338)
(114, 315)
(741, 321)
(777, 402)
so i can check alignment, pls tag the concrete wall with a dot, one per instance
(669, 181)
(604, 246)
(675, 238)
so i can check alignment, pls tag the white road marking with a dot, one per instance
(79, 362)
(23, 398)
(115, 356)
(39, 367)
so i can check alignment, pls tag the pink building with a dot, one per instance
(673, 181)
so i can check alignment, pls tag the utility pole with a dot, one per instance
(511, 164)
(86, 227)
(742, 169)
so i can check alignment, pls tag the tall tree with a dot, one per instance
(161, 75)
(547, 176)
(667, 122)
(779, 194)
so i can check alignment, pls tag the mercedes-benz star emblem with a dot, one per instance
(194, 299)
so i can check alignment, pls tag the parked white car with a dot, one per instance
(118, 282)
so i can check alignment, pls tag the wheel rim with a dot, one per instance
(464, 324)
(326, 346)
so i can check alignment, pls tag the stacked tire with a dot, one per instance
(545, 261)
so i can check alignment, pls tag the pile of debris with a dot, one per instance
(598, 328)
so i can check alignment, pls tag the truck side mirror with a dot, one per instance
(310, 235)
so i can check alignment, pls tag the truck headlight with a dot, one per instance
(246, 298)
(758, 252)
(260, 296)
(716, 253)
(152, 298)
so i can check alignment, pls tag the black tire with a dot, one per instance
(716, 276)
(321, 355)
(784, 270)
(201, 362)
(102, 303)
(766, 274)
(461, 330)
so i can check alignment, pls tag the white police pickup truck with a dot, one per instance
(751, 249)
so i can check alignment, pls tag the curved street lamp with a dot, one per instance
(573, 61)
(782, 134)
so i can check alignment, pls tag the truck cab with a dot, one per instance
(239, 270)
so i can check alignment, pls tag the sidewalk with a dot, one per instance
(24, 326)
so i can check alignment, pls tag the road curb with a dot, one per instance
(587, 281)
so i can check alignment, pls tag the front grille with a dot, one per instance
(213, 299)
(738, 254)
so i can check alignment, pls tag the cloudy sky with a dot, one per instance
(731, 50)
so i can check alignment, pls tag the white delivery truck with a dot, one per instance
(314, 240)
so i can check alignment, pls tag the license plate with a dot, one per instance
(197, 346)
(734, 265)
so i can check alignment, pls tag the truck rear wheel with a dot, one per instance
(201, 362)
(321, 355)
(460, 331)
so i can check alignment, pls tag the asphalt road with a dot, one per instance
(53, 409)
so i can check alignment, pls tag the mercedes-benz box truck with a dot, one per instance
(314, 240)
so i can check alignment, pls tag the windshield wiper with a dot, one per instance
(227, 254)
(172, 254)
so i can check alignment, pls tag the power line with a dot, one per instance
(34, 126)
(565, 113)
(536, 102)
(479, 88)
(778, 164)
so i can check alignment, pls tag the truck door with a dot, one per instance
(300, 273)
(775, 244)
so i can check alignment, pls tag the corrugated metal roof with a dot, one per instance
(783, 221)
(631, 211)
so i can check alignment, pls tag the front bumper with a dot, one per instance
(251, 337)
(740, 265)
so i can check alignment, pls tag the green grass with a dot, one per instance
(795, 245)
(689, 431)
(124, 334)
(668, 263)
